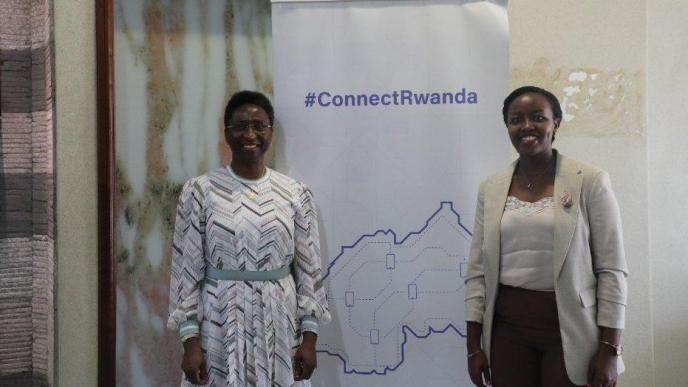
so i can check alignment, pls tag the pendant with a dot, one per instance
(529, 186)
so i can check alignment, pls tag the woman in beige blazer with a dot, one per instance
(546, 283)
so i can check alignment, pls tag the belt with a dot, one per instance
(243, 275)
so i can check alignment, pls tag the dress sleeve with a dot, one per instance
(475, 275)
(312, 308)
(188, 263)
(608, 258)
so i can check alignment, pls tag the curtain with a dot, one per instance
(27, 194)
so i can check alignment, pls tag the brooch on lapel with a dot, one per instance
(566, 199)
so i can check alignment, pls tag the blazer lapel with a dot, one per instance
(495, 199)
(568, 181)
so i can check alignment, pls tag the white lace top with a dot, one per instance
(527, 243)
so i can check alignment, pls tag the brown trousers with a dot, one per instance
(526, 342)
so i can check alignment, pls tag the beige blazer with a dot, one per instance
(589, 265)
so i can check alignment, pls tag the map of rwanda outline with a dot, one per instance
(389, 291)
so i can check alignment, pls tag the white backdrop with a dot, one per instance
(391, 112)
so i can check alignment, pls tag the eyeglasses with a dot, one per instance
(242, 127)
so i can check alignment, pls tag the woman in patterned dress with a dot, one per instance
(245, 289)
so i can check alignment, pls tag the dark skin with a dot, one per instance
(249, 146)
(196, 370)
(305, 360)
(193, 362)
(248, 161)
(531, 126)
(478, 366)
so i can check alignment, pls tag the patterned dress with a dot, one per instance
(248, 329)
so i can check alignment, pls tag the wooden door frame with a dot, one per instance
(106, 183)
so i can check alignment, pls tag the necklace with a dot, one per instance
(530, 184)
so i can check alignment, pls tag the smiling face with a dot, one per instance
(531, 125)
(249, 133)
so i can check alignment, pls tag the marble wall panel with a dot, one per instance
(595, 102)
(176, 64)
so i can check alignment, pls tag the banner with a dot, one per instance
(391, 112)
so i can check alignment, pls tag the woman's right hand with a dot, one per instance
(193, 362)
(479, 369)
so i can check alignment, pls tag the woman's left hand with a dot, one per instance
(602, 369)
(305, 360)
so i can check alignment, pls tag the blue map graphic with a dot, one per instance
(387, 291)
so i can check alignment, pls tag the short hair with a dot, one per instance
(551, 98)
(245, 97)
